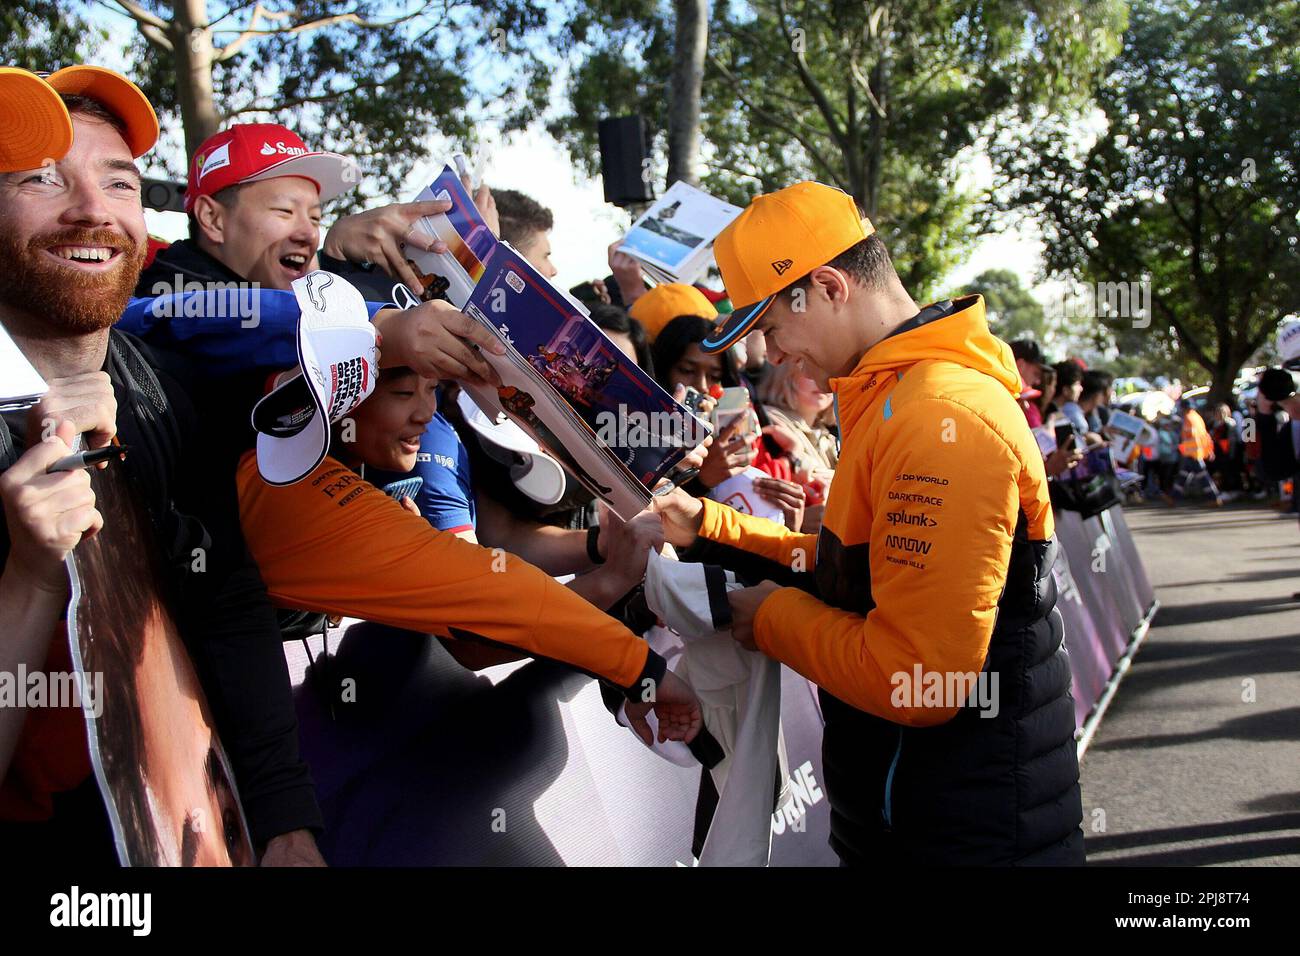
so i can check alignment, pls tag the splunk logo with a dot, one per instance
(134, 910)
(945, 689)
(909, 518)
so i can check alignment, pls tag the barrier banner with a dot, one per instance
(1130, 567)
(1088, 551)
(1091, 663)
(425, 763)
(420, 762)
(1103, 594)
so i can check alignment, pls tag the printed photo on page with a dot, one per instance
(160, 765)
(575, 391)
(680, 224)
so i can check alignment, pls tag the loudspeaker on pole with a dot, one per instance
(625, 160)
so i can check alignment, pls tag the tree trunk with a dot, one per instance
(1227, 363)
(192, 47)
(688, 77)
(875, 159)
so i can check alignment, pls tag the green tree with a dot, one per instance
(1192, 183)
(1013, 312)
(44, 35)
(369, 78)
(884, 99)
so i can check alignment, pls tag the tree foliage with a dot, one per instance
(884, 99)
(369, 78)
(1191, 183)
(1012, 310)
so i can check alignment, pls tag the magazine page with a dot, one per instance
(21, 386)
(680, 225)
(575, 391)
(469, 243)
(160, 764)
(1127, 432)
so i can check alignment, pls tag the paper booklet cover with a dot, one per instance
(674, 239)
(21, 386)
(563, 381)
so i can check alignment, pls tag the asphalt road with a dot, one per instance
(1197, 761)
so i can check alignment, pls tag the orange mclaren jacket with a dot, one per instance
(937, 464)
(334, 543)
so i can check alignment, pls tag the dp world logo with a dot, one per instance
(782, 266)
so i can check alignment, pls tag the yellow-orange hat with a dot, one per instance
(777, 240)
(35, 127)
(663, 303)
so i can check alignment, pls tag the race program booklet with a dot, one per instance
(563, 381)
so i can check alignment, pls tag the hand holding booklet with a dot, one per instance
(563, 381)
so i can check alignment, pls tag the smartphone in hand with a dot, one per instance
(1065, 437)
(404, 487)
(733, 403)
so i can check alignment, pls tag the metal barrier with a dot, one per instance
(522, 765)
(1107, 604)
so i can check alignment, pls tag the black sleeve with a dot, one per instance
(231, 632)
(1277, 457)
(749, 568)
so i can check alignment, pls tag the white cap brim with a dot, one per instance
(283, 461)
(333, 329)
(333, 173)
(504, 434)
(541, 478)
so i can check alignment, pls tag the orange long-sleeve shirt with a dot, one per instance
(334, 543)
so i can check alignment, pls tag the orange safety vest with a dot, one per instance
(1196, 441)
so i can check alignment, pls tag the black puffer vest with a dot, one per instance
(976, 790)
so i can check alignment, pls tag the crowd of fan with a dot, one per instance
(127, 364)
(128, 334)
(1194, 449)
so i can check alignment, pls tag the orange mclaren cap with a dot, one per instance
(778, 239)
(35, 127)
(663, 303)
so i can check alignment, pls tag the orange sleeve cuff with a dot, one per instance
(725, 525)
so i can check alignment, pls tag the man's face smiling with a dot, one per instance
(270, 233)
(72, 233)
(801, 327)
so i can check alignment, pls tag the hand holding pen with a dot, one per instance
(89, 459)
(47, 513)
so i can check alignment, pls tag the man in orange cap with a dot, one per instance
(927, 613)
(72, 239)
